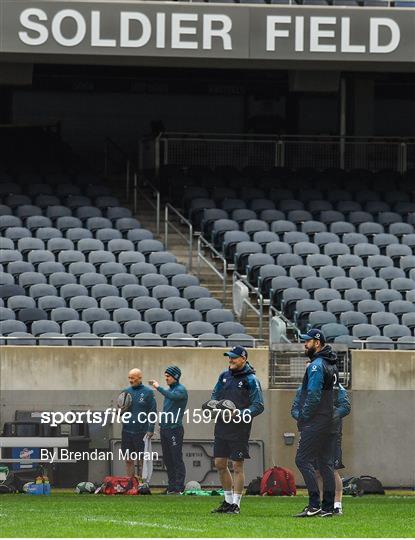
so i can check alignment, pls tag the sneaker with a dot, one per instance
(309, 511)
(233, 509)
(326, 513)
(172, 492)
(222, 508)
(338, 512)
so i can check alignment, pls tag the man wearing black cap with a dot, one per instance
(315, 423)
(171, 428)
(239, 385)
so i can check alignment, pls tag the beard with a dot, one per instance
(310, 352)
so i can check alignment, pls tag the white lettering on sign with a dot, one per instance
(299, 34)
(177, 30)
(80, 28)
(345, 45)
(96, 39)
(161, 31)
(144, 29)
(316, 34)
(222, 33)
(272, 32)
(395, 35)
(27, 22)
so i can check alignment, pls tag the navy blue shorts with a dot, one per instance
(234, 450)
(133, 442)
(338, 456)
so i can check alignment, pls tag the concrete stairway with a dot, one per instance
(177, 245)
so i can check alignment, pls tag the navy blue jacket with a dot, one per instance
(244, 389)
(175, 401)
(143, 402)
(342, 405)
(316, 401)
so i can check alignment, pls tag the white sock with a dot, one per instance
(228, 497)
(338, 505)
(237, 498)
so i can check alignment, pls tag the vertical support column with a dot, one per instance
(342, 122)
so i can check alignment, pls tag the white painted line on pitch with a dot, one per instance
(144, 524)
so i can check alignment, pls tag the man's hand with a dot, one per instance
(149, 434)
(153, 383)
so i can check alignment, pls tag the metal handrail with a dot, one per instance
(258, 311)
(112, 339)
(274, 310)
(157, 206)
(202, 243)
(188, 240)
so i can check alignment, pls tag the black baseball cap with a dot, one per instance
(236, 352)
(313, 333)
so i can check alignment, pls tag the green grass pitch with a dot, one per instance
(70, 515)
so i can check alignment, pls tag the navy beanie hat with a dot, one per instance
(174, 371)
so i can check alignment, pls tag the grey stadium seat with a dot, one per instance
(406, 343)
(187, 315)
(337, 306)
(265, 237)
(111, 268)
(210, 339)
(63, 314)
(116, 212)
(143, 303)
(72, 289)
(334, 249)
(379, 261)
(193, 292)
(107, 235)
(48, 233)
(111, 303)
(370, 306)
(205, 304)
(382, 319)
(119, 339)
(407, 263)
(276, 248)
(301, 271)
(197, 328)
(331, 216)
(40, 256)
(69, 328)
(181, 281)
(408, 319)
(161, 292)
(180, 339)
(363, 331)
(126, 224)
(152, 280)
(46, 339)
(241, 339)
(230, 241)
(217, 316)
(59, 279)
(148, 339)
(68, 222)
(101, 290)
(370, 228)
(242, 251)
(70, 256)
(90, 279)
(348, 341)
(342, 284)
(55, 211)
(136, 235)
(399, 229)
(349, 261)
(294, 237)
(400, 307)
(289, 299)
(7, 314)
(123, 315)
(385, 239)
(323, 238)
(228, 328)
(39, 290)
(174, 303)
(149, 246)
(334, 330)
(342, 227)
(373, 284)
(41, 327)
(9, 255)
(27, 279)
(80, 268)
(317, 319)
(287, 260)
(9, 326)
(117, 245)
(161, 257)
(359, 273)
(389, 273)
(156, 315)
(303, 309)
(270, 215)
(56, 245)
(402, 284)
(120, 280)
(350, 318)
(91, 315)
(278, 285)
(129, 292)
(16, 303)
(6, 243)
(387, 295)
(241, 215)
(6, 291)
(85, 339)
(166, 327)
(356, 295)
(24, 245)
(86, 212)
(86, 245)
(19, 267)
(172, 269)
(24, 339)
(132, 328)
(128, 258)
(103, 327)
(141, 269)
(36, 222)
(79, 303)
(6, 279)
(11, 222)
(379, 343)
(395, 331)
(47, 303)
(305, 249)
(282, 226)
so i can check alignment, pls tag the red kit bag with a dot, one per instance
(278, 481)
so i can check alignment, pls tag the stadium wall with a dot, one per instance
(378, 437)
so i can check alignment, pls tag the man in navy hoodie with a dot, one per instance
(171, 429)
(239, 385)
(315, 423)
(137, 427)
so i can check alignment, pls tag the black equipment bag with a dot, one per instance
(254, 486)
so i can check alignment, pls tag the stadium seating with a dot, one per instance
(78, 266)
